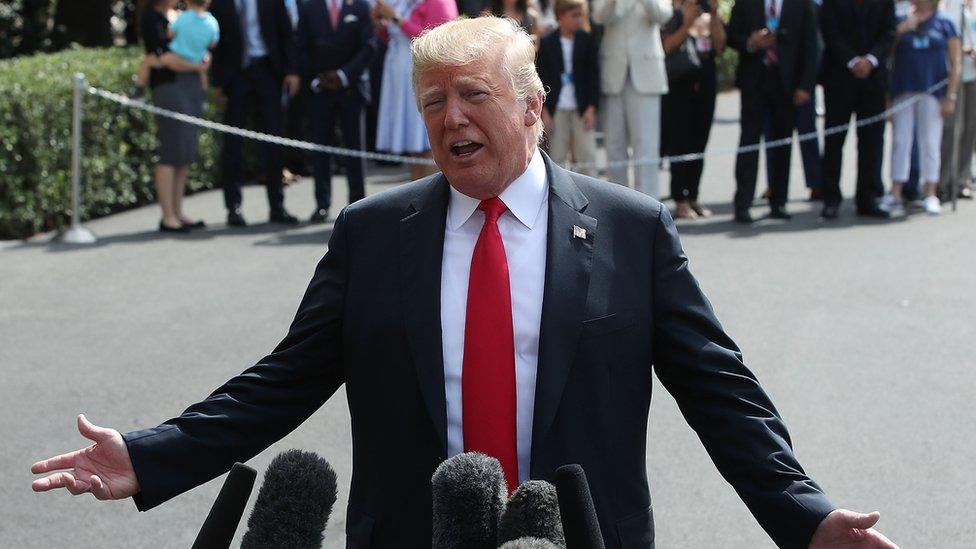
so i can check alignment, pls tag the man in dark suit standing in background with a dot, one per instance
(777, 45)
(858, 35)
(336, 44)
(504, 306)
(253, 64)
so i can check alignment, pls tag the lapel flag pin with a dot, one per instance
(579, 232)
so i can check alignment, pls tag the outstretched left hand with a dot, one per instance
(843, 528)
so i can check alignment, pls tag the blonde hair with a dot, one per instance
(464, 41)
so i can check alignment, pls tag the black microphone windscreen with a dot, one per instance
(469, 494)
(533, 512)
(580, 525)
(219, 527)
(294, 503)
(529, 543)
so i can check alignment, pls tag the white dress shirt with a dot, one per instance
(567, 94)
(523, 228)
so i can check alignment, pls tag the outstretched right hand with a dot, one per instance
(104, 468)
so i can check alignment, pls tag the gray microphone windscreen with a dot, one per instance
(529, 543)
(294, 503)
(469, 495)
(532, 511)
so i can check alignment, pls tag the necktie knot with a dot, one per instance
(493, 208)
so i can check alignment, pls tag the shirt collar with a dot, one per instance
(523, 197)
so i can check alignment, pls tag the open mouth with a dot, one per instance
(465, 149)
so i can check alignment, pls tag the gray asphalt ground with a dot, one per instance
(860, 330)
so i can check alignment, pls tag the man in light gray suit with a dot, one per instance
(633, 80)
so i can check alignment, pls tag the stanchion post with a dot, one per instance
(77, 234)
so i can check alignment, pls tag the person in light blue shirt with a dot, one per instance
(193, 33)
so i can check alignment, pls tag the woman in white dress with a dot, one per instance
(400, 128)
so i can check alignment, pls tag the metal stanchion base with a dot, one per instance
(78, 235)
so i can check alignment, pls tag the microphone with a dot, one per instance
(532, 512)
(529, 543)
(469, 495)
(294, 503)
(219, 527)
(580, 524)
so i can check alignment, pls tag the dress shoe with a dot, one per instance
(816, 193)
(320, 215)
(164, 228)
(281, 215)
(829, 212)
(743, 216)
(873, 211)
(779, 213)
(236, 219)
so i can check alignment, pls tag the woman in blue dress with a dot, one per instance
(400, 127)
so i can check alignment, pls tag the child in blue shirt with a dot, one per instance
(194, 32)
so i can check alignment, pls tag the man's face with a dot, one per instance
(481, 136)
(571, 20)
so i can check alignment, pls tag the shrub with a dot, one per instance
(35, 141)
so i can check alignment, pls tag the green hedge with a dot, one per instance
(35, 141)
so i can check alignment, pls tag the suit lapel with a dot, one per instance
(568, 262)
(421, 250)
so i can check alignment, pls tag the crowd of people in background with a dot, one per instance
(645, 71)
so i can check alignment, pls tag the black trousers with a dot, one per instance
(687, 112)
(323, 108)
(253, 88)
(765, 98)
(863, 98)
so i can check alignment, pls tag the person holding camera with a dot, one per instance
(777, 45)
(692, 39)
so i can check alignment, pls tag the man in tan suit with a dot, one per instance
(633, 80)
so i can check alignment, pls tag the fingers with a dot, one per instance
(99, 489)
(91, 431)
(64, 461)
(861, 520)
(63, 479)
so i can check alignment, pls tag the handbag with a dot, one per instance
(683, 62)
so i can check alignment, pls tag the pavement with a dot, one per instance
(860, 330)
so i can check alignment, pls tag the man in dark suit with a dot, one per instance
(336, 43)
(858, 35)
(777, 44)
(253, 62)
(505, 306)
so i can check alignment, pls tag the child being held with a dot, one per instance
(192, 35)
(568, 67)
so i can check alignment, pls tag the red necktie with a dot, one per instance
(771, 57)
(334, 13)
(488, 371)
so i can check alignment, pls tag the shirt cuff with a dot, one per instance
(342, 77)
(872, 59)
(852, 62)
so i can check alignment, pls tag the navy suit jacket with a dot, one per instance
(350, 47)
(586, 70)
(796, 44)
(276, 31)
(852, 29)
(615, 303)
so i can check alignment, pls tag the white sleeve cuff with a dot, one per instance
(852, 62)
(872, 59)
(342, 77)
